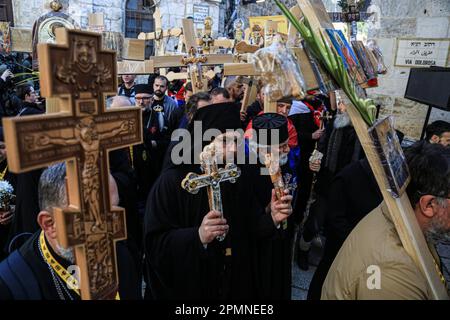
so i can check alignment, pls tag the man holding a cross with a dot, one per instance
(42, 268)
(372, 263)
(183, 257)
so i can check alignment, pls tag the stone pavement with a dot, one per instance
(300, 278)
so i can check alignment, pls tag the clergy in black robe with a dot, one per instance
(179, 262)
(308, 133)
(275, 251)
(31, 272)
(354, 193)
(27, 205)
(5, 221)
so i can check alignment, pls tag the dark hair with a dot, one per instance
(192, 104)
(429, 165)
(220, 91)
(437, 128)
(174, 69)
(23, 90)
(188, 86)
(163, 78)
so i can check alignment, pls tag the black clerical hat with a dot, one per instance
(265, 123)
(221, 116)
(143, 88)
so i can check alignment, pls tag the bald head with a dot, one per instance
(118, 101)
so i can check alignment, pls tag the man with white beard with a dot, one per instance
(271, 135)
(340, 148)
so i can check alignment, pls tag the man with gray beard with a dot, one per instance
(339, 148)
(375, 241)
(39, 269)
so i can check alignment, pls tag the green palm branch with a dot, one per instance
(332, 62)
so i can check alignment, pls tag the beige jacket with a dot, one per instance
(373, 246)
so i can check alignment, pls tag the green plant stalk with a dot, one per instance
(332, 62)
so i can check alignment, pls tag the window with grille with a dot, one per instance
(139, 18)
(6, 12)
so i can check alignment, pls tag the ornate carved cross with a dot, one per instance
(159, 34)
(211, 179)
(193, 60)
(82, 75)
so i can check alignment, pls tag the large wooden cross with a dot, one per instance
(193, 60)
(82, 75)
(159, 34)
(400, 208)
(208, 43)
(212, 179)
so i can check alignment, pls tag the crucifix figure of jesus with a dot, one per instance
(159, 34)
(194, 61)
(212, 179)
(80, 75)
(86, 134)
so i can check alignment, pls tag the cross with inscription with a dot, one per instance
(81, 75)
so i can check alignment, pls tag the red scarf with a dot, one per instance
(317, 114)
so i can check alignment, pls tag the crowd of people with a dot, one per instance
(172, 243)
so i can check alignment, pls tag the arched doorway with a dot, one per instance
(139, 18)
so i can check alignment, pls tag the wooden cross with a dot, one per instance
(193, 60)
(208, 43)
(250, 91)
(211, 179)
(82, 75)
(159, 34)
(400, 208)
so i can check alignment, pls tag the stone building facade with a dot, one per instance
(172, 11)
(395, 19)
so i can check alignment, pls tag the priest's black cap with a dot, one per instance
(221, 116)
(143, 88)
(266, 123)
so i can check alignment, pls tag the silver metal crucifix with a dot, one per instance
(211, 179)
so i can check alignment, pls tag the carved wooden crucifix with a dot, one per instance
(211, 179)
(159, 34)
(82, 75)
(193, 60)
(208, 43)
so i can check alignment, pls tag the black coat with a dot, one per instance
(27, 202)
(178, 265)
(353, 194)
(129, 284)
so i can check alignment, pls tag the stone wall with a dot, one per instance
(399, 18)
(406, 18)
(26, 12)
(172, 11)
